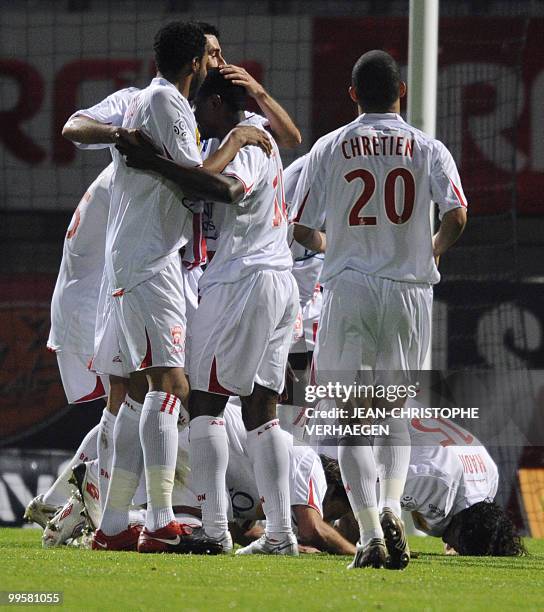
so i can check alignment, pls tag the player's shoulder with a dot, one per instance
(162, 92)
(256, 120)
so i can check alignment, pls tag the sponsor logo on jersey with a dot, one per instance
(92, 490)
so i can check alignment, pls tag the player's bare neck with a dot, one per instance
(379, 111)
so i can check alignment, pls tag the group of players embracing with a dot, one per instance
(190, 276)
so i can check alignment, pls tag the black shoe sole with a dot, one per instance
(397, 546)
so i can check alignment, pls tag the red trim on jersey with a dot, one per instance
(96, 393)
(148, 359)
(246, 188)
(315, 325)
(297, 218)
(311, 500)
(213, 385)
(118, 293)
(458, 194)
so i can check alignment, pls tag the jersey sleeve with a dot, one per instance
(110, 111)
(246, 167)
(171, 125)
(446, 189)
(433, 498)
(291, 175)
(309, 202)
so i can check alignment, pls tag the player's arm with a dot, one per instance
(452, 226)
(311, 239)
(237, 138)
(447, 192)
(97, 125)
(314, 531)
(282, 127)
(197, 183)
(84, 130)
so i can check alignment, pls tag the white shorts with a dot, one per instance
(304, 340)
(372, 323)
(307, 479)
(191, 276)
(144, 327)
(241, 334)
(80, 384)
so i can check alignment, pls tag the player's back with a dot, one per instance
(148, 221)
(376, 178)
(253, 233)
(450, 470)
(74, 301)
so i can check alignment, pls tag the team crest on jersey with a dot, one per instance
(178, 338)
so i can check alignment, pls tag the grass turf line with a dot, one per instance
(128, 581)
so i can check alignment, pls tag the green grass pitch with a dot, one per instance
(128, 581)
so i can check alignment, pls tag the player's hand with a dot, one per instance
(137, 148)
(240, 76)
(249, 135)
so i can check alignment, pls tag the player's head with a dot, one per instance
(335, 502)
(180, 51)
(484, 529)
(219, 105)
(376, 85)
(213, 46)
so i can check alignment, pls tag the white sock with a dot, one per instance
(60, 490)
(208, 458)
(392, 454)
(159, 438)
(105, 452)
(268, 450)
(126, 469)
(359, 475)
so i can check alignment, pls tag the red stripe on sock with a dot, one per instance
(165, 402)
(171, 411)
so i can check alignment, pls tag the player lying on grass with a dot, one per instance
(307, 485)
(450, 486)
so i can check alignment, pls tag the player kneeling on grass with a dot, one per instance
(242, 327)
(449, 491)
(307, 487)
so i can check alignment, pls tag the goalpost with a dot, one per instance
(422, 80)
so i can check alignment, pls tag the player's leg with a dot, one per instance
(268, 445)
(209, 456)
(127, 462)
(346, 344)
(116, 396)
(404, 341)
(112, 356)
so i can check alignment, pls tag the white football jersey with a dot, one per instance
(110, 110)
(307, 265)
(75, 298)
(450, 470)
(149, 218)
(253, 233)
(213, 214)
(369, 185)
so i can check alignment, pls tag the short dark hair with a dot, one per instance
(376, 78)
(208, 29)
(216, 84)
(486, 530)
(176, 44)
